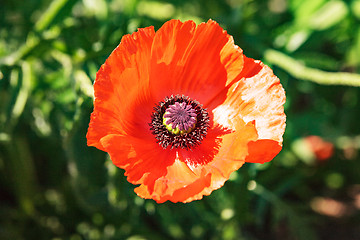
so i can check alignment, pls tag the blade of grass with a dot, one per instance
(49, 15)
(41, 29)
(20, 170)
(23, 93)
(20, 95)
(298, 222)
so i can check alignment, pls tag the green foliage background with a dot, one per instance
(52, 186)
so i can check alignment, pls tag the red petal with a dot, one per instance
(258, 96)
(263, 150)
(185, 182)
(194, 61)
(144, 161)
(262, 100)
(122, 103)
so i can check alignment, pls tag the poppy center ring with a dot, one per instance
(179, 122)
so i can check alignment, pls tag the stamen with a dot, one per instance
(179, 122)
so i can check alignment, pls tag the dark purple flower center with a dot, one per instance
(179, 122)
(180, 118)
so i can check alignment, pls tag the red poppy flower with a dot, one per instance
(321, 149)
(180, 109)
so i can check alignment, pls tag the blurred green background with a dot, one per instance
(52, 186)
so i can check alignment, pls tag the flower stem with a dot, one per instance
(300, 71)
